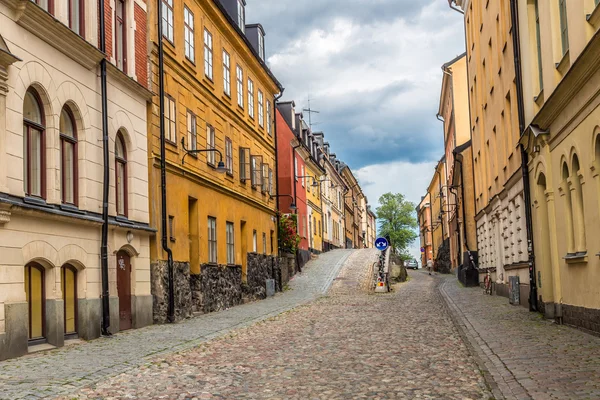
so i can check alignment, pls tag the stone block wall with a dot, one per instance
(586, 318)
(260, 268)
(160, 291)
(217, 288)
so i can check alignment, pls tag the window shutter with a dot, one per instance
(265, 177)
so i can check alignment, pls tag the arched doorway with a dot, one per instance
(36, 302)
(124, 289)
(69, 292)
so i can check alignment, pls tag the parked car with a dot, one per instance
(412, 264)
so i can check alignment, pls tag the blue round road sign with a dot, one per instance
(381, 244)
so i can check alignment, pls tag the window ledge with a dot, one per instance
(71, 208)
(123, 219)
(594, 17)
(577, 258)
(35, 200)
(564, 63)
(539, 99)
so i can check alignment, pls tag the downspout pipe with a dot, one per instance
(275, 101)
(105, 328)
(533, 305)
(163, 169)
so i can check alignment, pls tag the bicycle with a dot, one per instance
(487, 283)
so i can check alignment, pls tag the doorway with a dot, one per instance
(124, 290)
(69, 292)
(35, 294)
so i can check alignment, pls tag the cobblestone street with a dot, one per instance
(346, 345)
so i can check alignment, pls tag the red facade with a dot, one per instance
(288, 170)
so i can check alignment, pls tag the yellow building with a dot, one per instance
(219, 95)
(559, 45)
(499, 189)
(436, 192)
(424, 217)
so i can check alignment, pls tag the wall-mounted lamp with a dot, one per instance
(221, 169)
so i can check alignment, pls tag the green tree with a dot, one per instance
(397, 219)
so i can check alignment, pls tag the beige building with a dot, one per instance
(424, 215)
(499, 196)
(51, 173)
(560, 44)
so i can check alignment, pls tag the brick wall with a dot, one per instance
(108, 18)
(141, 37)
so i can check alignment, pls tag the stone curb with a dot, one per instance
(497, 376)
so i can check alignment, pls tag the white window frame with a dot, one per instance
(261, 109)
(229, 156)
(192, 131)
(241, 15)
(208, 54)
(212, 240)
(254, 241)
(188, 34)
(226, 73)
(251, 98)
(170, 121)
(269, 117)
(210, 144)
(240, 85)
(264, 236)
(230, 233)
(167, 18)
(261, 46)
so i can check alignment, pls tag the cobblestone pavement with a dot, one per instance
(64, 370)
(347, 345)
(523, 355)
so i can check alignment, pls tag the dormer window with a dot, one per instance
(261, 46)
(241, 12)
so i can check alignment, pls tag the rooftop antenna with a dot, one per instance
(310, 111)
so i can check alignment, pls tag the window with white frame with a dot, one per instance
(250, 98)
(302, 174)
(210, 144)
(167, 19)
(244, 164)
(265, 178)
(226, 73)
(269, 122)
(261, 46)
(256, 172)
(240, 86)
(241, 15)
(271, 191)
(212, 240)
(191, 130)
(229, 156)
(169, 120)
(261, 109)
(208, 54)
(188, 33)
(254, 242)
(230, 243)
(264, 243)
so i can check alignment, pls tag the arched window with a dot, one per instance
(578, 210)
(69, 292)
(598, 148)
(121, 175)
(568, 210)
(34, 143)
(36, 301)
(68, 152)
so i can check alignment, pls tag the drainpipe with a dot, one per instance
(533, 305)
(105, 329)
(275, 100)
(163, 169)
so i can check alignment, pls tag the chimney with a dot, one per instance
(256, 35)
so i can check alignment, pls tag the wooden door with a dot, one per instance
(36, 299)
(69, 291)
(124, 290)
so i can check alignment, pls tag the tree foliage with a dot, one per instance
(397, 219)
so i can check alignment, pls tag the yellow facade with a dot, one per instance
(436, 193)
(195, 191)
(313, 198)
(562, 110)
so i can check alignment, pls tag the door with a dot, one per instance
(36, 299)
(124, 290)
(69, 291)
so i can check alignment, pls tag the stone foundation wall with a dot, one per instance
(260, 268)
(160, 291)
(217, 288)
(586, 318)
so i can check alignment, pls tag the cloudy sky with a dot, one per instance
(372, 68)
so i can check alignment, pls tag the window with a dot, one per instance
(226, 73)
(120, 36)
(210, 144)
(47, 5)
(171, 228)
(271, 191)
(76, 16)
(264, 235)
(208, 55)
(240, 86)
(230, 244)
(261, 46)
(269, 117)
(34, 143)
(241, 15)
(296, 168)
(254, 242)
(169, 121)
(250, 98)
(188, 34)
(319, 228)
(256, 162)
(564, 28)
(244, 164)
(212, 240)
(229, 156)
(265, 178)
(167, 19)
(68, 153)
(272, 240)
(191, 129)
(261, 110)
(121, 175)
(302, 175)
(539, 45)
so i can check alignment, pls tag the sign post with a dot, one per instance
(382, 245)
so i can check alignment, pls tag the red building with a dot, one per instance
(291, 165)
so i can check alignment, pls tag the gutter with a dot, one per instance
(163, 170)
(533, 305)
(105, 328)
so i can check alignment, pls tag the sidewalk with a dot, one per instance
(523, 356)
(64, 370)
